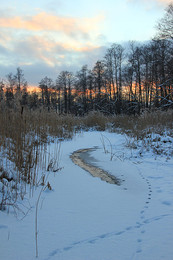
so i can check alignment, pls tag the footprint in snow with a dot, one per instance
(3, 226)
(167, 203)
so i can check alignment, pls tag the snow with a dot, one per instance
(85, 218)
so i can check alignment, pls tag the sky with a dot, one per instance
(44, 37)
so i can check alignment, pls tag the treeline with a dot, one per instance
(127, 80)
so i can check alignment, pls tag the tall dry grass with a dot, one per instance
(138, 126)
(23, 147)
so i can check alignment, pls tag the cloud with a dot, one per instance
(35, 39)
(49, 51)
(3, 50)
(41, 54)
(151, 4)
(165, 2)
(38, 69)
(49, 41)
(48, 22)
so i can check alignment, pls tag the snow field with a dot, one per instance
(84, 218)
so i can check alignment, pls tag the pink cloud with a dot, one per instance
(148, 2)
(166, 2)
(48, 22)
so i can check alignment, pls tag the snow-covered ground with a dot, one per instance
(84, 218)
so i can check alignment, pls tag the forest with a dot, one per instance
(127, 80)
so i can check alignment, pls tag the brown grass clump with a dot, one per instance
(138, 126)
(150, 131)
(96, 120)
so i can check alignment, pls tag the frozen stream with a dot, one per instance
(83, 159)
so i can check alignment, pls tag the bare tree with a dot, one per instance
(45, 85)
(20, 81)
(90, 83)
(165, 25)
(2, 85)
(98, 73)
(64, 84)
(81, 85)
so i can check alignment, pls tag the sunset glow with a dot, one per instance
(33, 89)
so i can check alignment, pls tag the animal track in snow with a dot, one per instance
(143, 211)
(111, 234)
